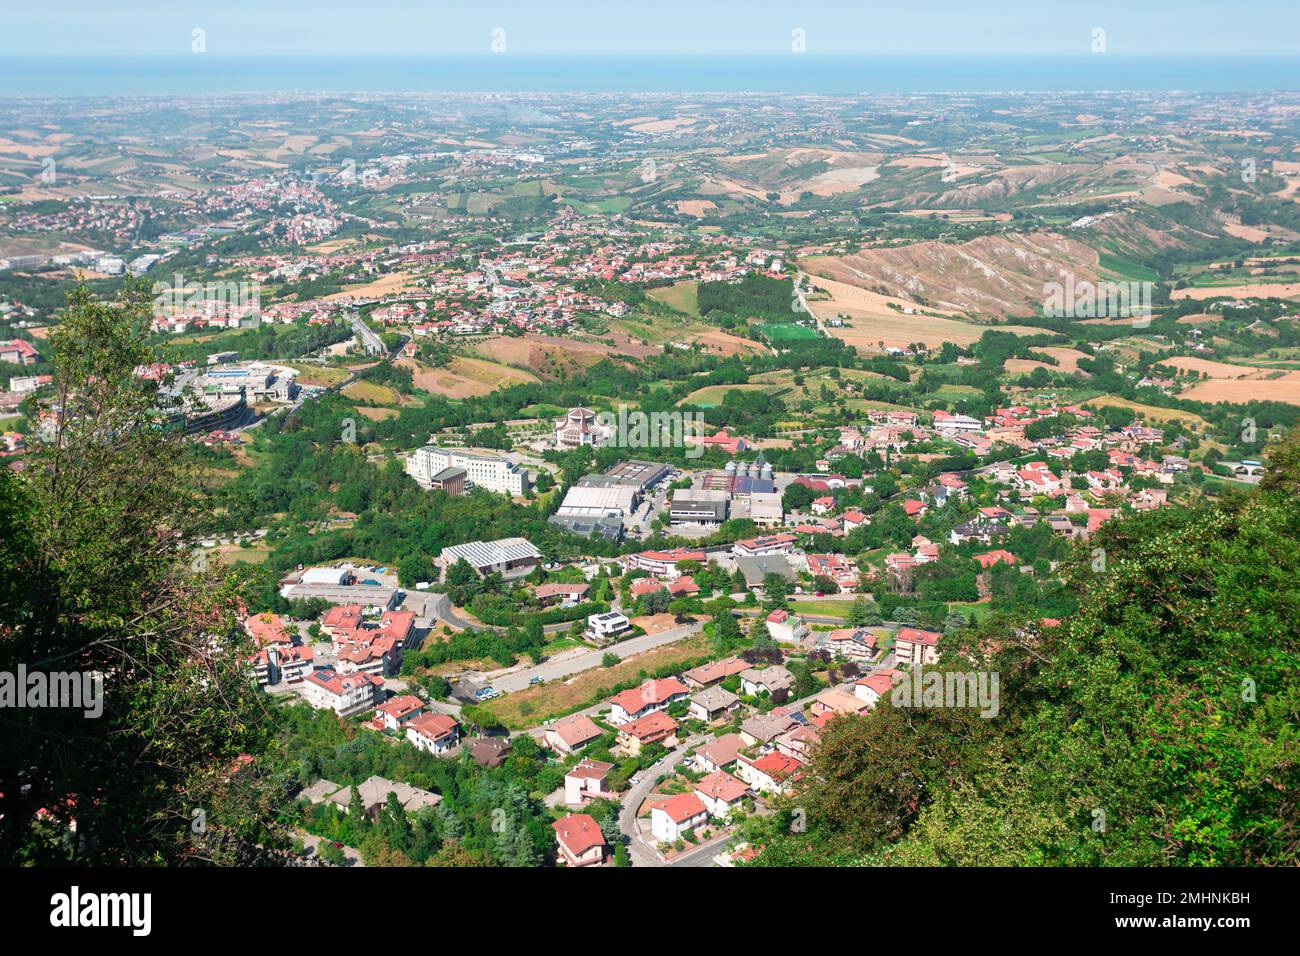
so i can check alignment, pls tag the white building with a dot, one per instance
(483, 469)
(345, 694)
(603, 628)
(580, 427)
(672, 817)
(596, 501)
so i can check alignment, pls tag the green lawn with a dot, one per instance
(838, 609)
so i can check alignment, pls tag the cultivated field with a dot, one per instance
(1238, 383)
(1254, 290)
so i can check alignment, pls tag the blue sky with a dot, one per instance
(1158, 27)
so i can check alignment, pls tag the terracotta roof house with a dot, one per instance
(579, 840)
(652, 695)
(720, 792)
(718, 753)
(673, 816)
(653, 728)
(571, 734)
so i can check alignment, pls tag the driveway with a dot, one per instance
(350, 854)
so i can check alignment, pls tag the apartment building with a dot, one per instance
(482, 468)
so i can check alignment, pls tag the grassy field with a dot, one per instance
(323, 375)
(838, 609)
(530, 707)
(372, 392)
(713, 394)
(781, 333)
(683, 296)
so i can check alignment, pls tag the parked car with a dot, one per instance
(536, 679)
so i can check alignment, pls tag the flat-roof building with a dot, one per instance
(510, 557)
(698, 507)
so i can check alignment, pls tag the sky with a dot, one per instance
(605, 27)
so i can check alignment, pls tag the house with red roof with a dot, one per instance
(876, 685)
(651, 696)
(771, 773)
(345, 694)
(722, 440)
(434, 733)
(287, 662)
(998, 556)
(396, 711)
(269, 629)
(916, 647)
(579, 841)
(655, 728)
(587, 780)
(720, 793)
(673, 816)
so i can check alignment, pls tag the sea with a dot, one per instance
(204, 73)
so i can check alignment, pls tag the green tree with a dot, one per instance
(99, 579)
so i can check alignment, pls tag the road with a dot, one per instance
(803, 303)
(517, 679)
(639, 851)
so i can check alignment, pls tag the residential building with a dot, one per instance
(579, 840)
(396, 711)
(345, 694)
(770, 773)
(706, 675)
(662, 564)
(718, 753)
(786, 628)
(712, 703)
(916, 647)
(586, 781)
(766, 546)
(570, 734)
(564, 595)
(374, 793)
(765, 680)
(605, 628)
(651, 696)
(720, 793)
(434, 733)
(673, 816)
(653, 728)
